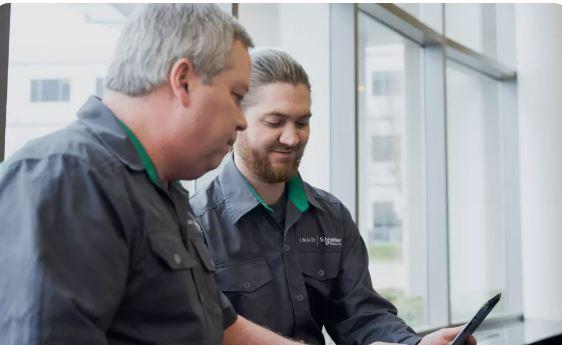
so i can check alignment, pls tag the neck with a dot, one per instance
(137, 113)
(269, 192)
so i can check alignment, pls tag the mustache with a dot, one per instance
(297, 148)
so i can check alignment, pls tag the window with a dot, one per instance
(52, 71)
(476, 236)
(50, 90)
(387, 224)
(429, 14)
(385, 148)
(99, 87)
(473, 25)
(391, 167)
(387, 83)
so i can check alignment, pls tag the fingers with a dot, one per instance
(451, 333)
(471, 340)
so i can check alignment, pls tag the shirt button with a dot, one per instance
(321, 273)
(247, 284)
(177, 259)
(300, 298)
(287, 247)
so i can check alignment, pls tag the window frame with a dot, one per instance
(438, 49)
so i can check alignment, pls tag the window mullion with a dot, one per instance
(436, 165)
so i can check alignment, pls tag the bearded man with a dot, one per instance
(289, 255)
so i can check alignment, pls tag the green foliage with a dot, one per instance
(410, 309)
(385, 252)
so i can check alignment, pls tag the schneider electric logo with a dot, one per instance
(322, 241)
(331, 241)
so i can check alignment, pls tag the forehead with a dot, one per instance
(284, 98)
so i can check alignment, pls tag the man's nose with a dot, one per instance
(290, 136)
(241, 123)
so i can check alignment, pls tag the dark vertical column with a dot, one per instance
(4, 50)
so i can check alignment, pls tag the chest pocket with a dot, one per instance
(172, 252)
(249, 288)
(320, 265)
(193, 272)
(244, 278)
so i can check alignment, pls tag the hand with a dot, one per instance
(445, 336)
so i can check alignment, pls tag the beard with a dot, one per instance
(258, 163)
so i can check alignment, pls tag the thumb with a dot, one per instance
(450, 333)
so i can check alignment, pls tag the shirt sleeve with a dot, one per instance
(229, 315)
(359, 315)
(63, 254)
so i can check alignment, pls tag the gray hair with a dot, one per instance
(157, 35)
(273, 66)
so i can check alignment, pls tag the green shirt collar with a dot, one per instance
(297, 194)
(145, 158)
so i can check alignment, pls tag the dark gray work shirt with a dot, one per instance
(296, 279)
(93, 252)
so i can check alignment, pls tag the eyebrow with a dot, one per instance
(279, 114)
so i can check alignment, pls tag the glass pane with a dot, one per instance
(65, 90)
(74, 45)
(473, 25)
(392, 204)
(99, 87)
(429, 14)
(35, 90)
(476, 236)
(50, 90)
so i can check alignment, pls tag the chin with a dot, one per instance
(215, 162)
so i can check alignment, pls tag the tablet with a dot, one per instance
(473, 324)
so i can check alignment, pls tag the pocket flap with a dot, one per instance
(246, 277)
(204, 255)
(171, 250)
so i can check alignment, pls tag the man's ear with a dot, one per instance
(182, 77)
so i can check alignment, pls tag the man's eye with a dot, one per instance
(238, 98)
(302, 124)
(272, 123)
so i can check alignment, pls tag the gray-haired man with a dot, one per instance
(288, 255)
(98, 244)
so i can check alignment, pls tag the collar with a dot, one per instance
(117, 137)
(240, 201)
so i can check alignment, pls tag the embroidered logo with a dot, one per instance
(308, 240)
(322, 241)
(331, 241)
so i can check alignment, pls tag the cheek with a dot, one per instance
(251, 143)
(304, 137)
(214, 105)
